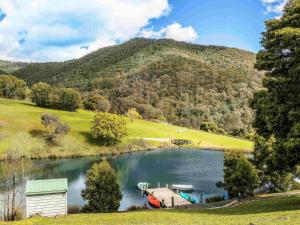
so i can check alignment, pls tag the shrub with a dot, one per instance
(137, 207)
(74, 209)
(48, 120)
(17, 215)
(12, 87)
(132, 114)
(108, 128)
(96, 103)
(149, 112)
(102, 190)
(211, 127)
(240, 176)
(216, 198)
(264, 161)
(56, 129)
(181, 142)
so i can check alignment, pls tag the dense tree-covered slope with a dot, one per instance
(8, 66)
(184, 83)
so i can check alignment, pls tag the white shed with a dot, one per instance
(46, 197)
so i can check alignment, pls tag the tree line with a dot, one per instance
(276, 158)
(69, 99)
(53, 97)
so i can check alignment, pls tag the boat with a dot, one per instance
(143, 186)
(188, 197)
(182, 187)
(153, 201)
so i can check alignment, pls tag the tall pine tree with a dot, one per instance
(278, 104)
(102, 190)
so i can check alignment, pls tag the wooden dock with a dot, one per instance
(167, 197)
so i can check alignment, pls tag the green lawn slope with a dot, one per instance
(275, 211)
(20, 127)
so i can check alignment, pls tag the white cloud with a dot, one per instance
(173, 31)
(178, 32)
(42, 30)
(270, 1)
(274, 6)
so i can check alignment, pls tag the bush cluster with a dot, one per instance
(12, 87)
(55, 128)
(45, 95)
(108, 128)
(216, 198)
(240, 176)
(96, 102)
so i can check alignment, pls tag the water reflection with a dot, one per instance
(202, 169)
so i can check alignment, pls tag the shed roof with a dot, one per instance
(39, 187)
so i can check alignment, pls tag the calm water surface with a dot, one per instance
(200, 168)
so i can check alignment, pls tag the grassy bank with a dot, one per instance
(20, 122)
(275, 211)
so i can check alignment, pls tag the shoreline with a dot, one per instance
(115, 152)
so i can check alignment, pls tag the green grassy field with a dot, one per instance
(20, 122)
(275, 211)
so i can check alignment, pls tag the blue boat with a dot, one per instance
(188, 197)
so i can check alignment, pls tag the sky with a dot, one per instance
(58, 30)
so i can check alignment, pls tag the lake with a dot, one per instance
(200, 168)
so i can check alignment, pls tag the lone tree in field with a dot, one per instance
(102, 190)
(240, 176)
(108, 128)
(278, 105)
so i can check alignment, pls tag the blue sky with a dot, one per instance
(236, 23)
(41, 30)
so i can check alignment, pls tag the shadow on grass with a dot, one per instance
(89, 138)
(38, 133)
(28, 104)
(42, 107)
(278, 204)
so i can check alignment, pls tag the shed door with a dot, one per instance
(47, 205)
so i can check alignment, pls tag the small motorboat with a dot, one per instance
(188, 197)
(182, 187)
(143, 186)
(153, 201)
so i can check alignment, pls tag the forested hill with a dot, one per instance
(9, 67)
(186, 84)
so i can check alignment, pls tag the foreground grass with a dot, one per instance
(275, 211)
(20, 121)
